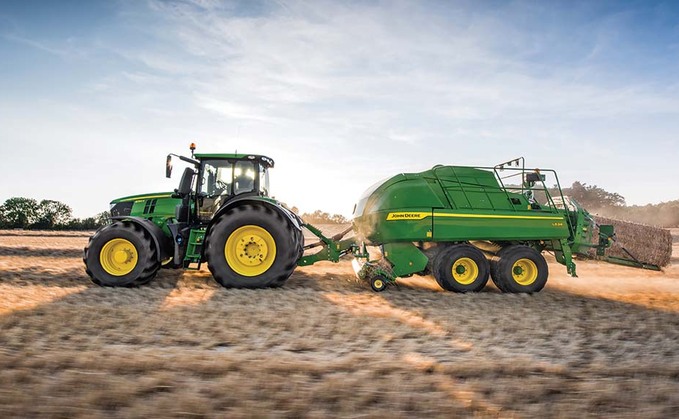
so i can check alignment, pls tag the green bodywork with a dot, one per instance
(161, 208)
(157, 207)
(457, 204)
(404, 215)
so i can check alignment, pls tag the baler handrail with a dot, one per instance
(569, 222)
(461, 187)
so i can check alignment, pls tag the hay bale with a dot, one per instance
(651, 245)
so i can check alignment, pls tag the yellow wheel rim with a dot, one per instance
(378, 283)
(465, 271)
(524, 272)
(250, 250)
(118, 257)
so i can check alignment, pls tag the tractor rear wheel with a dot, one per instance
(300, 245)
(252, 246)
(461, 268)
(519, 269)
(121, 255)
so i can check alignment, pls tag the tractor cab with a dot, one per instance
(216, 179)
(222, 177)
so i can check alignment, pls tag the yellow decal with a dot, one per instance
(407, 215)
(523, 217)
(412, 215)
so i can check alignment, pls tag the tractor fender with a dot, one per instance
(162, 242)
(294, 219)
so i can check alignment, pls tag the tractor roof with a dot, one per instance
(266, 161)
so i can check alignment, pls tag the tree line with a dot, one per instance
(610, 204)
(28, 213)
(320, 217)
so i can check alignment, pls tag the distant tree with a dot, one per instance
(102, 219)
(594, 197)
(338, 219)
(320, 217)
(52, 214)
(22, 212)
(90, 223)
(18, 212)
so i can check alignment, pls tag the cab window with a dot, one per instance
(243, 177)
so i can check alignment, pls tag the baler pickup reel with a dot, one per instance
(378, 273)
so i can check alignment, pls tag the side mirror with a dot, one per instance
(168, 166)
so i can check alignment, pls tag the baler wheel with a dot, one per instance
(519, 269)
(461, 268)
(121, 255)
(252, 246)
(378, 283)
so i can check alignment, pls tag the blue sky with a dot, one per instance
(94, 94)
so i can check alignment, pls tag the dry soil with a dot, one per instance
(603, 344)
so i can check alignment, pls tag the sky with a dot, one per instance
(94, 94)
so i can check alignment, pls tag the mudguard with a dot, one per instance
(257, 200)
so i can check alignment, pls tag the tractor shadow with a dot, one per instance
(25, 251)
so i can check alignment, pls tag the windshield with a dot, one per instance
(223, 177)
(216, 177)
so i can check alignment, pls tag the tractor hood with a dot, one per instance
(160, 206)
(155, 195)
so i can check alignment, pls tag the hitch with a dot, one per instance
(332, 248)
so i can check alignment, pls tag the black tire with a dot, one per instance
(461, 268)
(300, 245)
(271, 231)
(100, 256)
(378, 283)
(519, 269)
(493, 272)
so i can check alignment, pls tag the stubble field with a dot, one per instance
(606, 343)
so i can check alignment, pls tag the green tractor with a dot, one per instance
(462, 224)
(221, 214)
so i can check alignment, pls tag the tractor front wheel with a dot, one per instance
(252, 246)
(519, 269)
(121, 255)
(461, 268)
